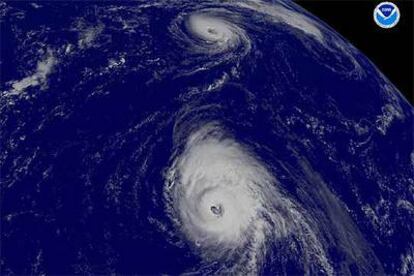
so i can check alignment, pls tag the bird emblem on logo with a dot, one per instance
(386, 15)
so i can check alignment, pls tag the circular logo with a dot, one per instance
(386, 15)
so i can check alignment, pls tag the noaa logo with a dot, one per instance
(386, 15)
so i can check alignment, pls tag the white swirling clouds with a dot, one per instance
(216, 33)
(211, 31)
(226, 203)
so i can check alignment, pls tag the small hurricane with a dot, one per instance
(215, 34)
(210, 32)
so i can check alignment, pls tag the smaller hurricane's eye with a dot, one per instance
(211, 31)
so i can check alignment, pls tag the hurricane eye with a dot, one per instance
(217, 210)
(212, 31)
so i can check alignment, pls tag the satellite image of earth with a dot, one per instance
(237, 137)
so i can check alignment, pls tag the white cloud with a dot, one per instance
(39, 77)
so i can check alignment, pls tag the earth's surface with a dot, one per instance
(198, 137)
